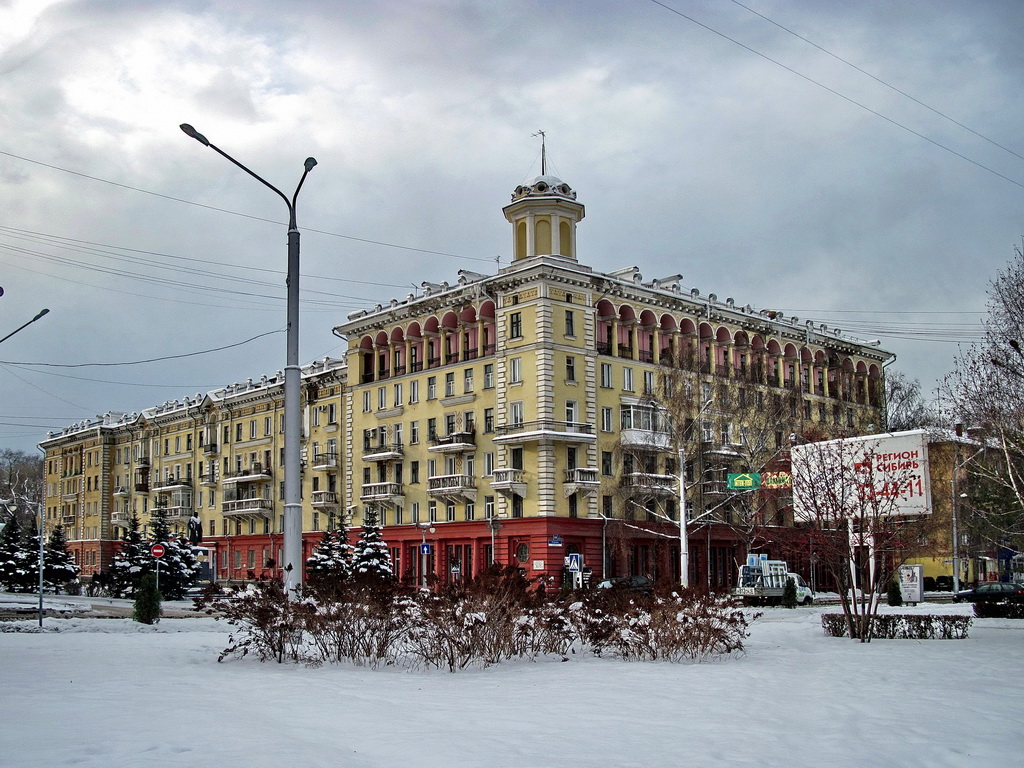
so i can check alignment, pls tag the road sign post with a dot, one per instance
(157, 551)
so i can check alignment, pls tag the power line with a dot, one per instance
(141, 362)
(237, 213)
(834, 92)
(880, 81)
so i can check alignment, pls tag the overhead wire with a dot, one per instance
(838, 94)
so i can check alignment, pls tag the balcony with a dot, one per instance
(325, 461)
(383, 452)
(173, 514)
(142, 486)
(120, 517)
(509, 482)
(122, 491)
(722, 450)
(68, 518)
(142, 461)
(208, 479)
(241, 508)
(455, 442)
(69, 495)
(545, 429)
(210, 448)
(646, 439)
(169, 484)
(452, 487)
(325, 499)
(386, 493)
(646, 484)
(581, 480)
(257, 473)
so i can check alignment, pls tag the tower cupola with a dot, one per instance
(544, 213)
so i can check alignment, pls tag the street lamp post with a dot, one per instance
(424, 555)
(292, 452)
(684, 543)
(39, 315)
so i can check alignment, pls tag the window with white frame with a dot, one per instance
(515, 370)
(606, 375)
(414, 391)
(627, 379)
(606, 419)
(467, 380)
(516, 412)
(449, 384)
(488, 375)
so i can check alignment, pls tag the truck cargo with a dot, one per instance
(763, 582)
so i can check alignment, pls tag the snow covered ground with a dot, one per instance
(110, 692)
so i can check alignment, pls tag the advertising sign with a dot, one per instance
(912, 583)
(891, 468)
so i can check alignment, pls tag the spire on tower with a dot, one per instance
(543, 154)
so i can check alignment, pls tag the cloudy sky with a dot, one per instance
(861, 164)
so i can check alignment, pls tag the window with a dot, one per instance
(606, 463)
(467, 380)
(488, 507)
(570, 323)
(574, 506)
(489, 376)
(627, 379)
(414, 432)
(470, 510)
(449, 384)
(648, 382)
(366, 401)
(431, 429)
(268, 425)
(515, 456)
(606, 375)
(570, 368)
(515, 413)
(515, 370)
(398, 395)
(431, 387)
(488, 464)
(572, 411)
(432, 511)
(450, 512)
(238, 433)
(414, 391)
(517, 511)
(488, 419)
(382, 398)
(606, 419)
(414, 472)
(316, 416)
(515, 325)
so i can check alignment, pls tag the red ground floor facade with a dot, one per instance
(454, 551)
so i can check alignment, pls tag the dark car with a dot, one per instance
(1007, 592)
(628, 583)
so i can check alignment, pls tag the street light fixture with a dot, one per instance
(39, 315)
(424, 555)
(292, 453)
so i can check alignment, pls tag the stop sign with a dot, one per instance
(157, 550)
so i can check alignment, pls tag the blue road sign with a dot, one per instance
(574, 562)
(425, 549)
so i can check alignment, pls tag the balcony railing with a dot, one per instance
(545, 429)
(241, 507)
(209, 448)
(451, 486)
(68, 518)
(209, 478)
(381, 492)
(582, 476)
(255, 473)
(454, 442)
(119, 517)
(325, 460)
(168, 484)
(662, 485)
(121, 490)
(323, 499)
(383, 452)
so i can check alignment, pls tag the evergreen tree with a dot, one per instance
(15, 560)
(789, 594)
(179, 566)
(331, 562)
(895, 595)
(147, 600)
(59, 567)
(372, 559)
(131, 562)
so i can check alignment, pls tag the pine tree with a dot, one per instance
(59, 567)
(895, 594)
(131, 562)
(147, 601)
(789, 594)
(15, 559)
(179, 566)
(372, 559)
(331, 562)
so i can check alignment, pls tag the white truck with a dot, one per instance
(763, 582)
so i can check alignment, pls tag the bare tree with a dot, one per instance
(858, 502)
(905, 408)
(22, 480)
(985, 393)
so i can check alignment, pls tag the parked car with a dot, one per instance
(629, 583)
(1007, 592)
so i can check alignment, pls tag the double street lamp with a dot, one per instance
(292, 373)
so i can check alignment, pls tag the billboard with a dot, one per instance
(889, 468)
